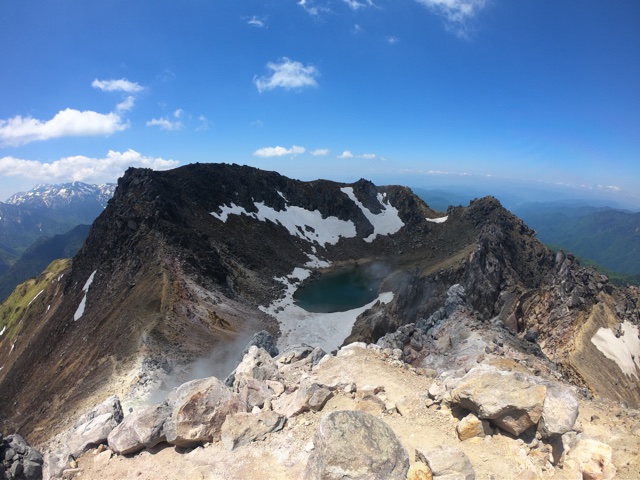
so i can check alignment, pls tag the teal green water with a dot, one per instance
(338, 291)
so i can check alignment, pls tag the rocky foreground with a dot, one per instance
(477, 402)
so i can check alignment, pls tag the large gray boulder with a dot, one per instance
(447, 463)
(243, 428)
(356, 446)
(310, 396)
(507, 399)
(262, 340)
(94, 427)
(198, 410)
(142, 428)
(559, 412)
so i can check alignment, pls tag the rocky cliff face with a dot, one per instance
(187, 264)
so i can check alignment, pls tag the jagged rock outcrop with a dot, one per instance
(356, 445)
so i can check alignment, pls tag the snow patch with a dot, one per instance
(438, 220)
(386, 222)
(625, 350)
(85, 289)
(306, 224)
(3, 330)
(32, 300)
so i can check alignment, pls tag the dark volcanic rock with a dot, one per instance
(19, 460)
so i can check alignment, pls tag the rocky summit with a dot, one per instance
(174, 345)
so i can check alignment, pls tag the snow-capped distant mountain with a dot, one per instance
(64, 195)
(47, 210)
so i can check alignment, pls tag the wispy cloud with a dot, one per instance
(278, 151)
(81, 168)
(368, 156)
(165, 124)
(257, 22)
(204, 124)
(122, 85)
(319, 152)
(456, 13)
(357, 5)
(126, 104)
(346, 154)
(20, 130)
(392, 40)
(289, 75)
(313, 7)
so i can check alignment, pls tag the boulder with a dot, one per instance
(419, 471)
(94, 427)
(253, 392)
(142, 428)
(18, 459)
(357, 446)
(310, 396)
(591, 458)
(447, 463)
(301, 353)
(506, 399)
(263, 340)
(559, 411)
(258, 364)
(198, 410)
(243, 428)
(471, 426)
(56, 462)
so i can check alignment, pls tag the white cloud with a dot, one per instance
(126, 104)
(82, 169)
(122, 85)
(257, 22)
(392, 40)
(165, 124)
(356, 5)
(178, 113)
(204, 124)
(20, 130)
(288, 74)
(456, 12)
(346, 154)
(312, 7)
(318, 152)
(368, 156)
(278, 151)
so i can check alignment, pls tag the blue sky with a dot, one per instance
(406, 90)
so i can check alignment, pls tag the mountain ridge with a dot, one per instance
(187, 261)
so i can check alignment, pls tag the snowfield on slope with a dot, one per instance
(85, 289)
(625, 350)
(386, 222)
(309, 225)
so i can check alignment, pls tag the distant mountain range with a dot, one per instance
(605, 236)
(38, 226)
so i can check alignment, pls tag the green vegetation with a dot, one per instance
(18, 303)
